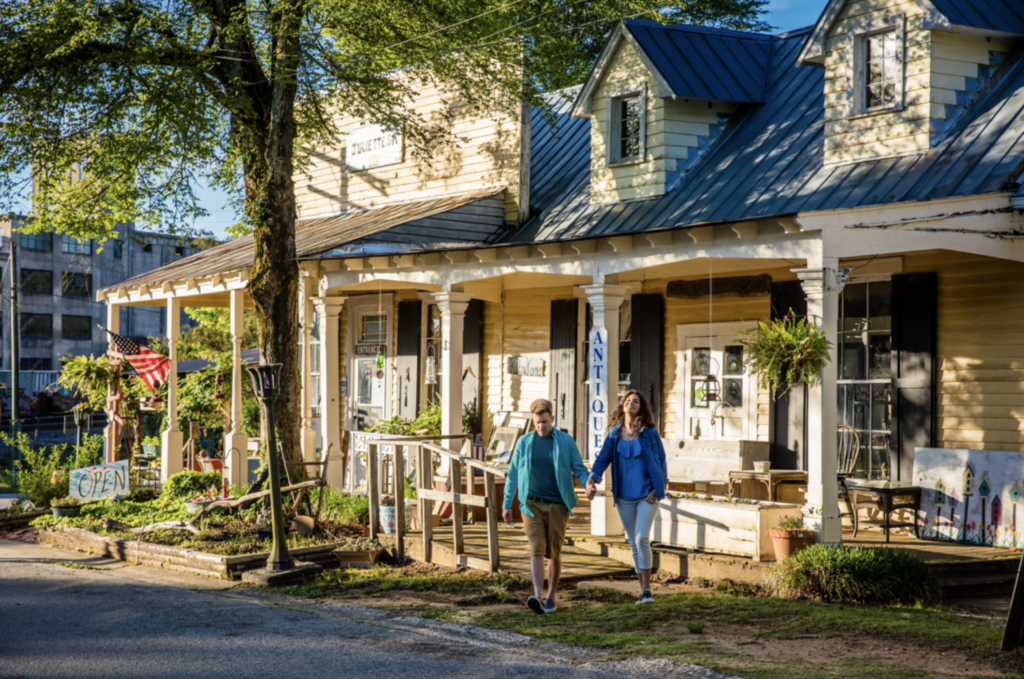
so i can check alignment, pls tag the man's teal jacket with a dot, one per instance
(567, 462)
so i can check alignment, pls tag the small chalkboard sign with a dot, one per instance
(530, 367)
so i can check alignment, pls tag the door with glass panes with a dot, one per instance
(370, 368)
(865, 376)
(733, 415)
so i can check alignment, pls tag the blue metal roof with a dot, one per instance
(1005, 16)
(706, 63)
(770, 162)
(559, 151)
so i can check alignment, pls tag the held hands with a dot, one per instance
(506, 514)
(652, 498)
(591, 489)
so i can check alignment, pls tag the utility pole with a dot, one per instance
(15, 356)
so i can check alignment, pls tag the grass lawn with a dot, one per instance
(7, 482)
(730, 631)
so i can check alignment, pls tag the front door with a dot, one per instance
(370, 364)
(725, 407)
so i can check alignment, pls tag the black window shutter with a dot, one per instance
(914, 302)
(407, 358)
(562, 362)
(788, 429)
(645, 349)
(472, 344)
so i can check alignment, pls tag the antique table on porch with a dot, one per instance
(772, 479)
(887, 497)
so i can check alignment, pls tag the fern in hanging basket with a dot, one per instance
(785, 352)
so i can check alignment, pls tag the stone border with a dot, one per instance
(176, 558)
(21, 520)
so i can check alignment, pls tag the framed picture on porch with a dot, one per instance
(502, 445)
(520, 421)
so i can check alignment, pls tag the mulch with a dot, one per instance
(27, 534)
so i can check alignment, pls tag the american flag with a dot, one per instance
(151, 366)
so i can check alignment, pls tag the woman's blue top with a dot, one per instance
(631, 475)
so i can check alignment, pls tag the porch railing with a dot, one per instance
(421, 450)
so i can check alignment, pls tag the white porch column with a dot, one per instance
(110, 436)
(306, 289)
(603, 371)
(173, 439)
(452, 306)
(331, 424)
(823, 286)
(236, 443)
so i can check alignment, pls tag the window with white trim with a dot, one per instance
(627, 126)
(874, 66)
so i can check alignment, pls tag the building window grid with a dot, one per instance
(37, 241)
(76, 327)
(118, 249)
(881, 70)
(865, 382)
(36, 325)
(73, 246)
(76, 284)
(35, 364)
(37, 281)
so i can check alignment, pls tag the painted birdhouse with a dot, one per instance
(1015, 493)
(968, 481)
(997, 511)
(940, 494)
(984, 488)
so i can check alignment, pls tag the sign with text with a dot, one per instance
(597, 405)
(372, 146)
(370, 349)
(93, 483)
(531, 367)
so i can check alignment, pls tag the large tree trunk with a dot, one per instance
(274, 286)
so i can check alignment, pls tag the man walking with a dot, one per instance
(541, 470)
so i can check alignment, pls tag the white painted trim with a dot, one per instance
(855, 56)
(614, 121)
(685, 331)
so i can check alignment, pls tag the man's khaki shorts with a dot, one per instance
(545, 530)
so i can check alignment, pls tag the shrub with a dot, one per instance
(870, 575)
(43, 472)
(64, 502)
(353, 509)
(397, 425)
(251, 417)
(188, 484)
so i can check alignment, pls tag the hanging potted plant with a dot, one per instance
(786, 352)
(790, 537)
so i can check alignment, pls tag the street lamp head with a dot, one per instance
(265, 380)
(81, 415)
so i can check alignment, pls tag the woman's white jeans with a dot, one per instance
(638, 519)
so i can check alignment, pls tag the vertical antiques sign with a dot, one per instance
(372, 146)
(93, 483)
(597, 407)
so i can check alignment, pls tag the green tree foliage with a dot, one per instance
(116, 110)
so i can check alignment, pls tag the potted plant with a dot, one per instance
(359, 553)
(790, 537)
(65, 506)
(198, 503)
(386, 513)
(785, 352)
(151, 446)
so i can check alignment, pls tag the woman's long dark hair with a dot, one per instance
(619, 416)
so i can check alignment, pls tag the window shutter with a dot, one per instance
(645, 349)
(472, 341)
(408, 358)
(562, 362)
(914, 301)
(788, 414)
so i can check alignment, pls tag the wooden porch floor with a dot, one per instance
(927, 550)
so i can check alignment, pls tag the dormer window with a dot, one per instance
(874, 66)
(627, 126)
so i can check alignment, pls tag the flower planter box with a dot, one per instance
(720, 527)
(358, 558)
(66, 511)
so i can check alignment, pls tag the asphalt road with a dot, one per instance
(134, 621)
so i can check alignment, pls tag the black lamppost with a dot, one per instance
(80, 417)
(265, 384)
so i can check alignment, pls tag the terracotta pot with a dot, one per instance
(788, 542)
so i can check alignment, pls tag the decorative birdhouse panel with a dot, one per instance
(1015, 493)
(997, 511)
(939, 493)
(968, 481)
(984, 488)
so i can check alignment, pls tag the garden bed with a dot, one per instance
(13, 521)
(176, 558)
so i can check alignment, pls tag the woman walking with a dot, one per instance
(633, 448)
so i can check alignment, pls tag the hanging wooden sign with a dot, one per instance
(370, 349)
(529, 367)
(733, 286)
